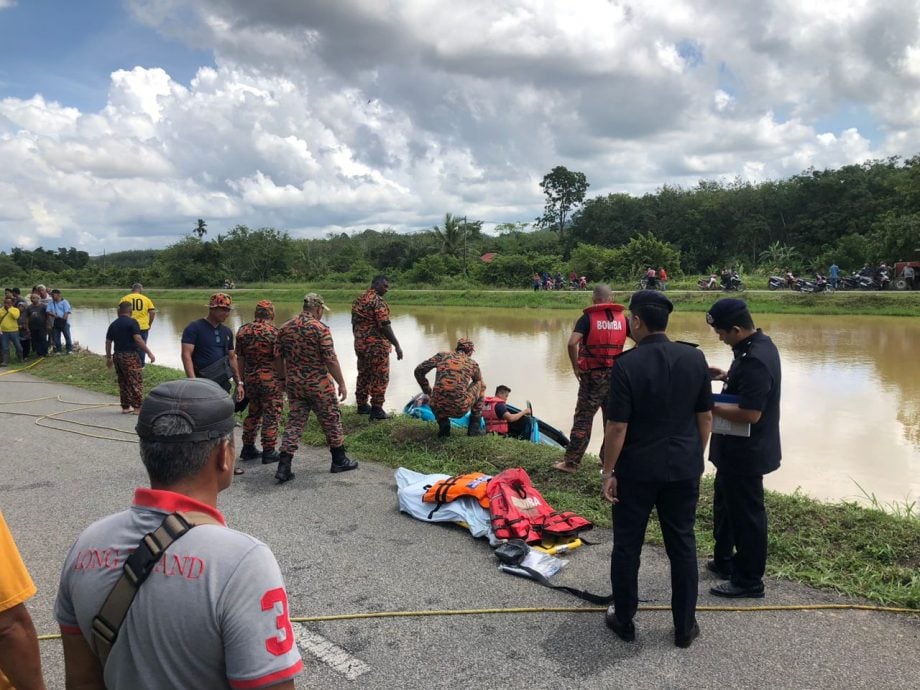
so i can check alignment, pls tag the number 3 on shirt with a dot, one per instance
(276, 645)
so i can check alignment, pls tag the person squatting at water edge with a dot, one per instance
(370, 323)
(125, 334)
(255, 355)
(597, 339)
(309, 369)
(213, 612)
(207, 347)
(658, 423)
(458, 387)
(739, 514)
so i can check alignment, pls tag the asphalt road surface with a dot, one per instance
(345, 548)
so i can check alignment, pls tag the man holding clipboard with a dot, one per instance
(745, 445)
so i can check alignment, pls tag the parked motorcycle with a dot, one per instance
(733, 283)
(850, 282)
(776, 283)
(708, 284)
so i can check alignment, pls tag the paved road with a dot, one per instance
(344, 548)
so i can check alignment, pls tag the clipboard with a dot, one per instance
(721, 425)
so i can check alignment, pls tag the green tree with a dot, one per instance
(778, 256)
(256, 255)
(201, 228)
(451, 236)
(564, 190)
(630, 261)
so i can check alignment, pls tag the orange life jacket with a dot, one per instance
(605, 338)
(493, 423)
(474, 484)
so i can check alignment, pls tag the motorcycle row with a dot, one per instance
(866, 278)
(729, 281)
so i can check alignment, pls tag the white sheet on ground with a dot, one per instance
(411, 486)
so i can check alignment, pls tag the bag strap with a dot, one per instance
(540, 578)
(137, 569)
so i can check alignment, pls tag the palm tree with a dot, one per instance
(201, 229)
(451, 236)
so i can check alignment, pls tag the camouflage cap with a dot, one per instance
(220, 300)
(464, 345)
(312, 300)
(265, 309)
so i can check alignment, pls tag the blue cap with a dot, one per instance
(650, 298)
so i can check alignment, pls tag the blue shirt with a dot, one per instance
(59, 309)
(211, 342)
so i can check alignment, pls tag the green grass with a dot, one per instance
(866, 551)
(691, 300)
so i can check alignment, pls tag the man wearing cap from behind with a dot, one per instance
(213, 612)
(458, 387)
(739, 515)
(658, 422)
(309, 368)
(255, 348)
(142, 310)
(207, 347)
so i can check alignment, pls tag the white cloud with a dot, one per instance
(340, 114)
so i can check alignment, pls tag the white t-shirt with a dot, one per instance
(212, 614)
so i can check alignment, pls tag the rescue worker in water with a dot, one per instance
(499, 420)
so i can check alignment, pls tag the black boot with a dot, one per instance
(250, 452)
(341, 462)
(284, 468)
(378, 413)
(269, 456)
(443, 428)
(475, 426)
(364, 408)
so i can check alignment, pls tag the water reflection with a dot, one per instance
(851, 398)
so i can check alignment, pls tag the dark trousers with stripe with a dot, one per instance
(740, 527)
(675, 503)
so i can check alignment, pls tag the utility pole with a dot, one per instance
(465, 233)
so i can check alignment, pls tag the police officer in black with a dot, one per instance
(739, 516)
(658, 422)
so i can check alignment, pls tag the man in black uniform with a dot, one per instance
(739, 516)
(658, 422)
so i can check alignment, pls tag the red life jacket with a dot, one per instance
(518, 511)
(605, 338)
(493, 423)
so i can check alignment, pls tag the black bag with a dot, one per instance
(219, 372)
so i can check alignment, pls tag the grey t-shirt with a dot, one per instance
(212, 614)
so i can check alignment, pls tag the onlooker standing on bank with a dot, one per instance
(125, 334)
(213, 612)
(9, 331)
(59, 311)
(306, 361)
(142, 310)
(207, 347)
(36, 320)
(20, 662)
(370, 324)
(255, 354)
(658, 422)
(739, 515)
(598, 337)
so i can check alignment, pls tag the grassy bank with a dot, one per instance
(861, 551)
(761, 302)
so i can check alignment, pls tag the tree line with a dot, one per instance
(854, 215)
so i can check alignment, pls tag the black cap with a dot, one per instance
(204, 404)
(723, 314)
(650, 298)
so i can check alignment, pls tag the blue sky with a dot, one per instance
(122, 122)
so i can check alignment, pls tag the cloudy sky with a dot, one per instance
(123, 121)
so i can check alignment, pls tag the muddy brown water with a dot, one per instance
(851, 385)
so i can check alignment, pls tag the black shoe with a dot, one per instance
(625, 631)
(270, 456)
(250, 453)
(730, 590)
(443, 428)
(364, 409)
(284, 472)
(341, 462)
(684, 641)
(378, 413)
(475, 427)
(724, 572)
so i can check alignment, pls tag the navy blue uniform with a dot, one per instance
(739, 515)
(657, 389)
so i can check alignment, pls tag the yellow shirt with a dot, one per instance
(141, 306)
(9, 319)
(16, 587)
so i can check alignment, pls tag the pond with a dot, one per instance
(851, 385)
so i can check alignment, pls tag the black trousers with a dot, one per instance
(740, 527)
(676, 506)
